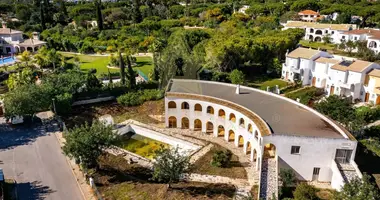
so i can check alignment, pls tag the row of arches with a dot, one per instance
(210, 110)
(221, 132)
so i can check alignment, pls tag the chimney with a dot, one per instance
(36, 36)
(237, 89)
(287, 52)
(4, 24)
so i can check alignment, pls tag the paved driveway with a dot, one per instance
(33, 158)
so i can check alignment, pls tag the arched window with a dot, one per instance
(172, 104)
(232, 117)
(250, 129)
(172, 122)
(210, 110)
(256, 134)
(185, 123)
(241, 122)
(197, 125)
(198, 107)
(311, 30)
(220, 131)
(318, 32)
(185, 105)
(222, 113)
(241, 141)
(209, 127)
(372, 44)
(231, 136)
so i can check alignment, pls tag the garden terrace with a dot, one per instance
(281, 115)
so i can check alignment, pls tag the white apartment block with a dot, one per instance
(336, 74)
(316, 31)
(372, 36)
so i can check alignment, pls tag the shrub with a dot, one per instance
(63, 103)
(368, 114)
(305, 192)
(237, 77)
(288, 177)
(221, 158)
(154, 94)
(130, 99)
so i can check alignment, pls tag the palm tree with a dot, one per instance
(25, 57)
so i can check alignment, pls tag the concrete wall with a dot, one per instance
(184, 146)
(314, 152)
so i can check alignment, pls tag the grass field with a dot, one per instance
(263, 84)
(316, 45)
(144, 63)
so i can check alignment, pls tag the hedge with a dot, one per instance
(139, 97)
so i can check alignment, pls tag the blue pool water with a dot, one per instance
(6, 60)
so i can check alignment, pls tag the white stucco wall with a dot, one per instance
(314, 152)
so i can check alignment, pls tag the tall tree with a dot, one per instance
(122, 68)
(42, 16)
(98, 5)
(358, 189)
(131, 73)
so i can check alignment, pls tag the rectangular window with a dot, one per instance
(295, 150)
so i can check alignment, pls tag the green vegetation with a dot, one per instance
(358, 188)
(169, 165)
(221, 158)
(306, 95)
(272, 83)
(142, 146)
(316, 45)
(237, 77)
(87, 62)
(305, 191)
(137, 98)
(204, 165)
(86, 143)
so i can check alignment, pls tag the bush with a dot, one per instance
(221, 158)
(305, 192)
(138, 98)
(130, 99)
(288, 177)
(237, 77)
(305, 95)
(368, 114)
(63, 103)
(148, 95)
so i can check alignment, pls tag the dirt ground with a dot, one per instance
(87, 113)
(118, 180)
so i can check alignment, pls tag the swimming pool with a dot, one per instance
(7, 60)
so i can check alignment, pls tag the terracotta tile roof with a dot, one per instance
(303, 53)
(308, 12)
(327, 60)
(299, 24)
(375, 72)
(373, 33)
(31, 42)
(8, 31)
(355, 66)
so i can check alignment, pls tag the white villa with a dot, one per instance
(316, 31)
(309, 15)
(336, 74)
(11, 41)
(275, 132)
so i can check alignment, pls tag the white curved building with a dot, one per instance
(274, 131)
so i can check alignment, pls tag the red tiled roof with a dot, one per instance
(308, 12)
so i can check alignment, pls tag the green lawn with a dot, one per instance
(316, 45)
(263, 84)
(144, 63)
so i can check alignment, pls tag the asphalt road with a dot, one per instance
(33, 158)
